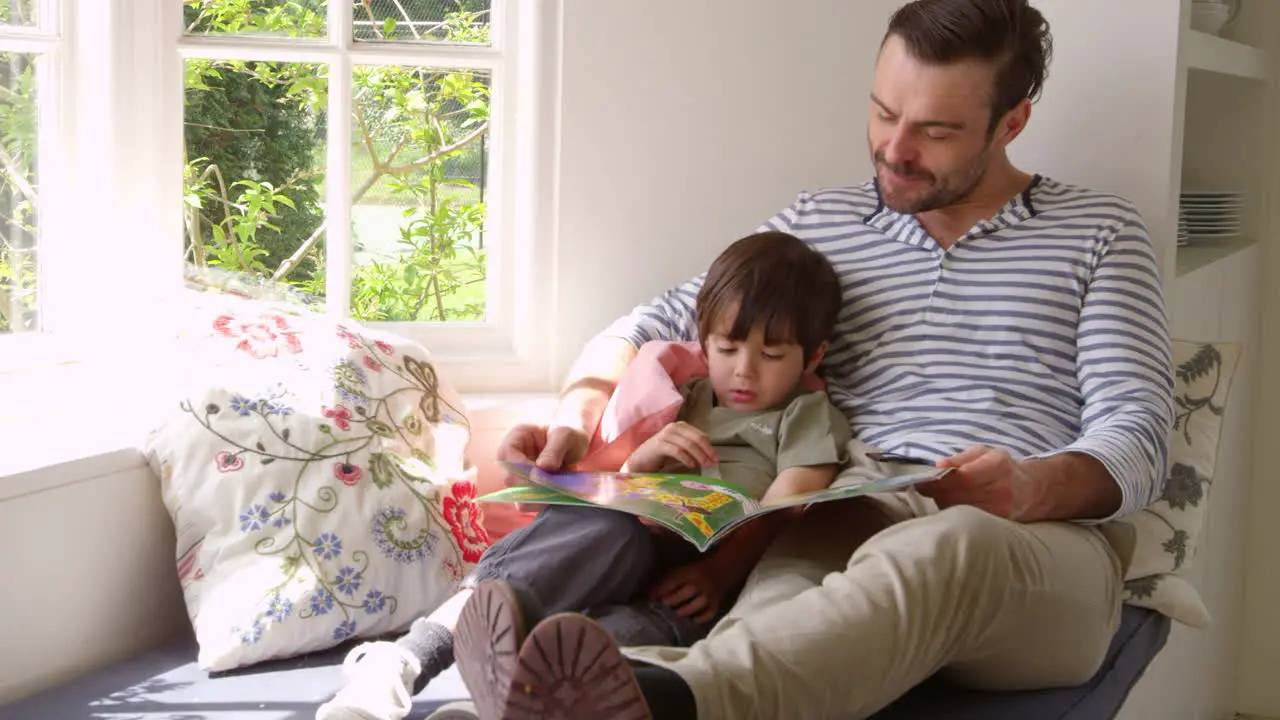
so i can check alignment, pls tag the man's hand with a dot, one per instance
(1067, 486)
(678, 441)
(692, 590)
(551, 449)
(986, 478)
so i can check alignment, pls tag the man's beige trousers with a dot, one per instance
(861, 600)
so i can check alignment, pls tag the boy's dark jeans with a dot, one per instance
(595, 561)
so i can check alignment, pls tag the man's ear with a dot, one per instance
(1012, 124)
(816, 358)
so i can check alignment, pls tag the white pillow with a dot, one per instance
(316, 476)
(1157, 543)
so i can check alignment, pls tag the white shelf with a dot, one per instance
(1208, 252)
(1202, 51)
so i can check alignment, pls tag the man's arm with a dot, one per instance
(1123, 362)
(1070, 486)
(591, 381)
(596, 371)
(1125, 370)
(1117, 466)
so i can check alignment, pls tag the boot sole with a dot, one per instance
(487, 643)
(569, 668)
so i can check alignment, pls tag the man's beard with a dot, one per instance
(951, 189)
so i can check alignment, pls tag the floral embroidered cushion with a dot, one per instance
(316, 477)
(1158, 542)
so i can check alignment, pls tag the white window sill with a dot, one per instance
(90, 434)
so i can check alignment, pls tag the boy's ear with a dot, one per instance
(816, 359)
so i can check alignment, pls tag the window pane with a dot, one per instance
(453, 21)
(280, 18)
(418, 186)
(19, 190)
(18, 13)
(255, 153)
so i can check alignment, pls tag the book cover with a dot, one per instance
(702, 510)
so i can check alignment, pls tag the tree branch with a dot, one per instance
(408, 20)
(227, 205)
(377, 31)
(404, 140)
(422, 299)
(224, 129)
(194, 23)
(197, 240)
(16, 176)
(440, 153)
(294, 260)
(367, 137)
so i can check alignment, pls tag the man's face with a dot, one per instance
(927, 129)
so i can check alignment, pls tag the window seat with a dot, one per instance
(166, 683)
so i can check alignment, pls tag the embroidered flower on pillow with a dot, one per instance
(465, 520)
(261, 336)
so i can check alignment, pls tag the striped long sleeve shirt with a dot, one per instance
(1042, 330)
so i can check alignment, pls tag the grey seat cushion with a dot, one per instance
(1141, 635)
(167, 684)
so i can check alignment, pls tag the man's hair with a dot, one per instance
(1009, 34)
(773, 281)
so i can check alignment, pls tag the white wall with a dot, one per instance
(1196, 677)
(1260, 656)
(685, 125)
(1105, 118)
(88, 573)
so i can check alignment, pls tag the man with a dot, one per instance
(1006, 325)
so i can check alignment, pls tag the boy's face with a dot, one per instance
(751, 375)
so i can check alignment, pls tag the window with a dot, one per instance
(363, 151)
(385, 156)
(30, 44)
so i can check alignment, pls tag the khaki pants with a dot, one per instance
(861, 600)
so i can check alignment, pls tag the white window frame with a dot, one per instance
(500, 353)
(127, 67)
(50, 39)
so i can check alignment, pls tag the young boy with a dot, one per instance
(765, 313)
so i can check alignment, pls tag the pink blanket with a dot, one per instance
(646, 399)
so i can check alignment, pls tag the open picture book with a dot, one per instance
(702, 510)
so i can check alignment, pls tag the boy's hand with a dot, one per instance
(692, 590)
(551, 449)
(678, 441)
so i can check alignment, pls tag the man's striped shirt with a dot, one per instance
(1042, 330)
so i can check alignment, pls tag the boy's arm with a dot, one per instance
(797, 480)
(736, 556)
(811, 448)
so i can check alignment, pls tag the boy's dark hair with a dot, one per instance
(1011, 34)
(776, 282)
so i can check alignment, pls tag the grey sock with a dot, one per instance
(432, 644)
